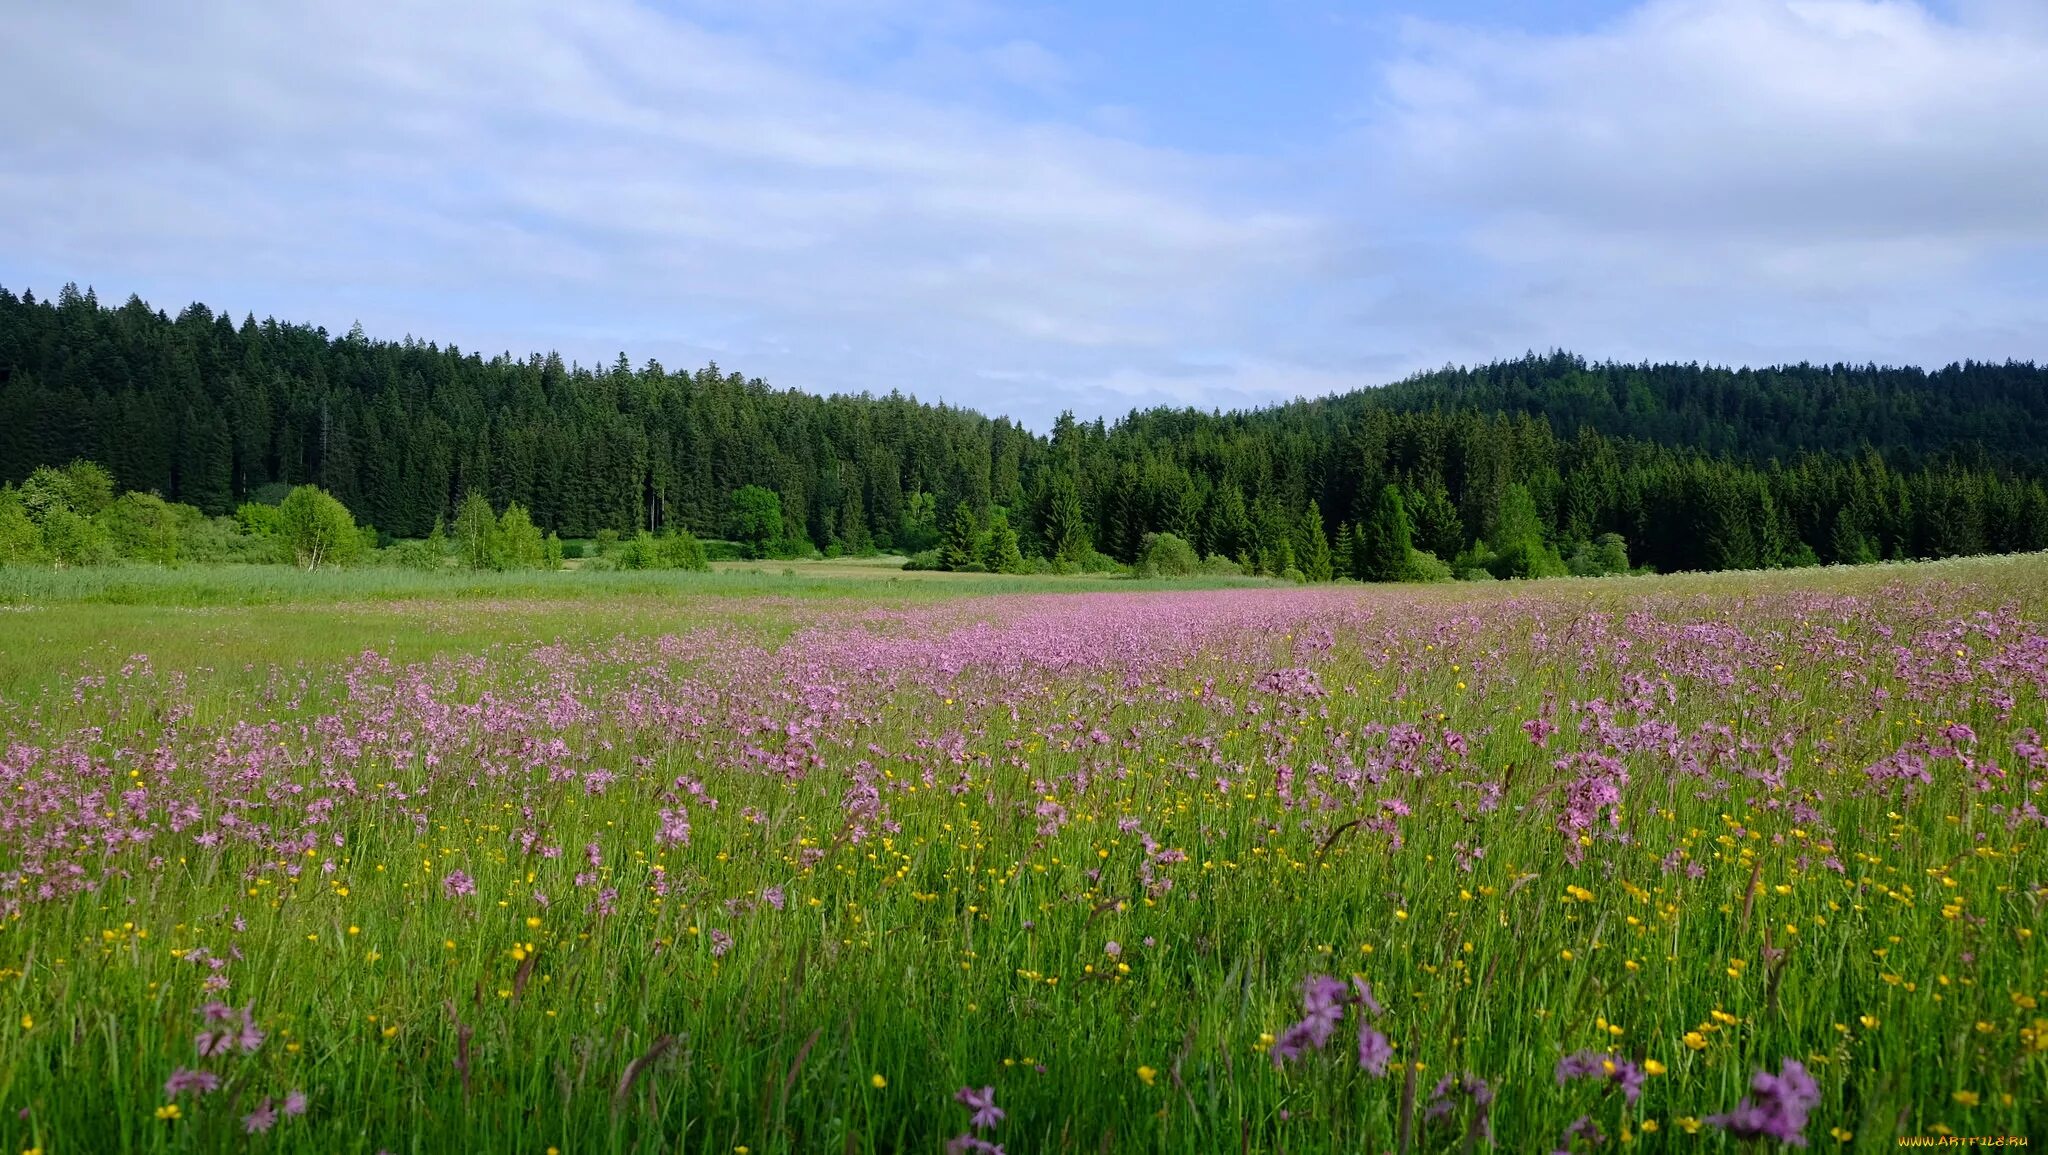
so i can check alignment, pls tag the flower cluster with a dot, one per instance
(1776, 1107)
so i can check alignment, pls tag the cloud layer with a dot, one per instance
(865, 194)
(1731, 178)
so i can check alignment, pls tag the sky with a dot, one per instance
(1028, 208)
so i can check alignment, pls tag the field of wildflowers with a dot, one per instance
(1663, 864)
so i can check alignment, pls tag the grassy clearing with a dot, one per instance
(617, 862)
(240, 585)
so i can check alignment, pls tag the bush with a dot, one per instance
(517, 542)
(927, 559)
(999, 551)
(1216, 565)
(413, 555)
(1092, 560)
(573, 548)
(1424, 566)
(318, 528)
(1477, 556)
(756, 521)
(681, 550)
(1606, 554)
(222, 539)
(1528, 558)
(1167, 555)
(20, 540)
(636, 553)
(143, 527)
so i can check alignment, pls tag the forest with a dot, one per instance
(1546, 464)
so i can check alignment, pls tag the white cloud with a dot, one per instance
(1732, 180)
(871, 194)
(537, 155)
(1801, 141)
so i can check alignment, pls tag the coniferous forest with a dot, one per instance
(1546, 464)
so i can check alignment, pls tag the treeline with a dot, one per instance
(1978, 411)
(70, 516)
(1513, 469)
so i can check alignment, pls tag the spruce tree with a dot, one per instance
(958, 552)
(1344, 563)
(1065, 530)
(1226, 527)
(1438, 528)
(1849, 544)
(1384, 541)
(1001, 554)
(1311, 547)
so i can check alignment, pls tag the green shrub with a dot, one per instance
(222, 539)
(143, 527)
(413, 555)
(317, 528)
(1528, 558)
(1606, 554)
(21, 541)
(680, 549)
(1167, 555)
(1424, 566)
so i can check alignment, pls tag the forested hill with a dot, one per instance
(1695, 468)
(2000, 410)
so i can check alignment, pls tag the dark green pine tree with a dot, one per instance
(958, 552)
(2029, 529)
(1227, 528)
(206, 463)
(1273, 533)
(1181, 508)
(1386, 538)
(1311, 546)
(1344, 560)
(852, 530)
(1850, 543)
(1125, 515)
(1000, 554)
(1728, 522)
(1438, 528)
(338, 473)
(1065, 528)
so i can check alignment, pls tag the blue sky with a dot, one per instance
(1030, 207)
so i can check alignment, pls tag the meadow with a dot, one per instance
(848, 861)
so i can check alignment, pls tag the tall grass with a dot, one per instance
(916, 824)
(235, 585)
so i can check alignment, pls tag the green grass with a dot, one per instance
(243, 585)
(967, 947)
